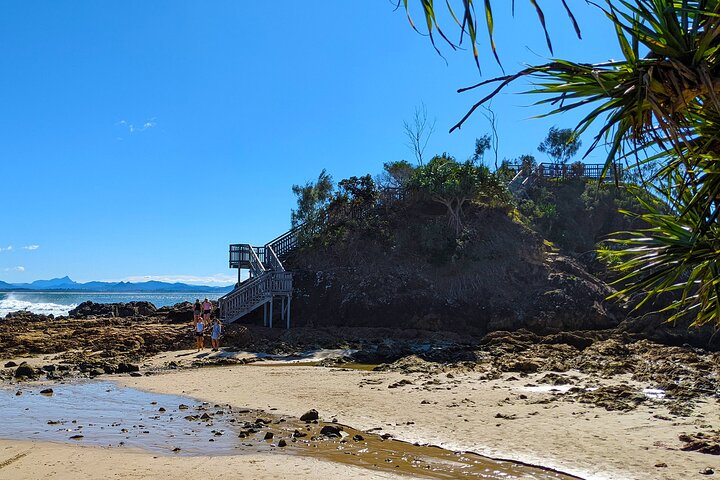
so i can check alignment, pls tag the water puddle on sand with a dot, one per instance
(104, 414)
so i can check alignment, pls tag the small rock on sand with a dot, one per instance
(330, 431)
(310, 415)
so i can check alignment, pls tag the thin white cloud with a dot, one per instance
(31, 247)
(19, 268)
(211, 280)
(6, 249)
(132, 128)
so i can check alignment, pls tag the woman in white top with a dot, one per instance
(200, 334)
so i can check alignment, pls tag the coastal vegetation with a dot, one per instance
(658, 105)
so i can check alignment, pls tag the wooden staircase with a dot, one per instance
(268, 280)
(523, 180)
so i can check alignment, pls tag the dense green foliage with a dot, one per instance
(312, 201)
(444, 190)
(576, 213)
(453, 184)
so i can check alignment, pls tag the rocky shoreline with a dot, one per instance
(105, 339)
(616, 370)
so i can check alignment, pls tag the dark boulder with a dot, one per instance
(25, 316)
(91, 309)
(127, 368)
(24, 371)
(178, 313)
(121, 310)
(331, 431)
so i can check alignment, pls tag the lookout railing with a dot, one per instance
(573, 170)
(526, 176)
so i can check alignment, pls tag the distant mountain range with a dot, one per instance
(65, 284)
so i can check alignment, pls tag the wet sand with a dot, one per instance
(104, 414)
(499, 418)
(33, 460)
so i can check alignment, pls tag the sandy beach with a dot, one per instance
(31, 460)
(514, 417)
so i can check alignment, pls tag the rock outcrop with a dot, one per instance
(505, 279)
(130, 309)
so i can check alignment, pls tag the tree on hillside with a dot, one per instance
(312, 200)
(453, 184)
(357, 191)
(396, 175)
(659, 102)
(561, 144)
(482, 145)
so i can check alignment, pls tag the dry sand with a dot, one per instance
(459, 412)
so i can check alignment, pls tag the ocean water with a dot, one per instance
(60, 303)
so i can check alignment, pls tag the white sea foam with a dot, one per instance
(12, 304)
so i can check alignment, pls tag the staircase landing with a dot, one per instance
(268, 282)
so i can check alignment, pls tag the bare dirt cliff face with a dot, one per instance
(405, 274)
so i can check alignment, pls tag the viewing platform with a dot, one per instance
(267, 283)
(524, 177)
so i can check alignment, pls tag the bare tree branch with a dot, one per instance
(419, 132)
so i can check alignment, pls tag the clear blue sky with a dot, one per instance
(138, 139)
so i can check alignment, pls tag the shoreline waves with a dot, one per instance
(60, 303)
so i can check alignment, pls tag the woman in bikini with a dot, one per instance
(207, 309)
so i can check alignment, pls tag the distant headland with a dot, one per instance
(65, 284)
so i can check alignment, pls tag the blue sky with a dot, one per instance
(138, 139)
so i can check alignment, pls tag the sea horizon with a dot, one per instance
(59, 303)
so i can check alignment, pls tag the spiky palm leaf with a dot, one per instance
(672, 257)
(466, 19)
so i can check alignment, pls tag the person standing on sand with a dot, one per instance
(197, 310)
(215, 334)
(207, 310)
(200, 334)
